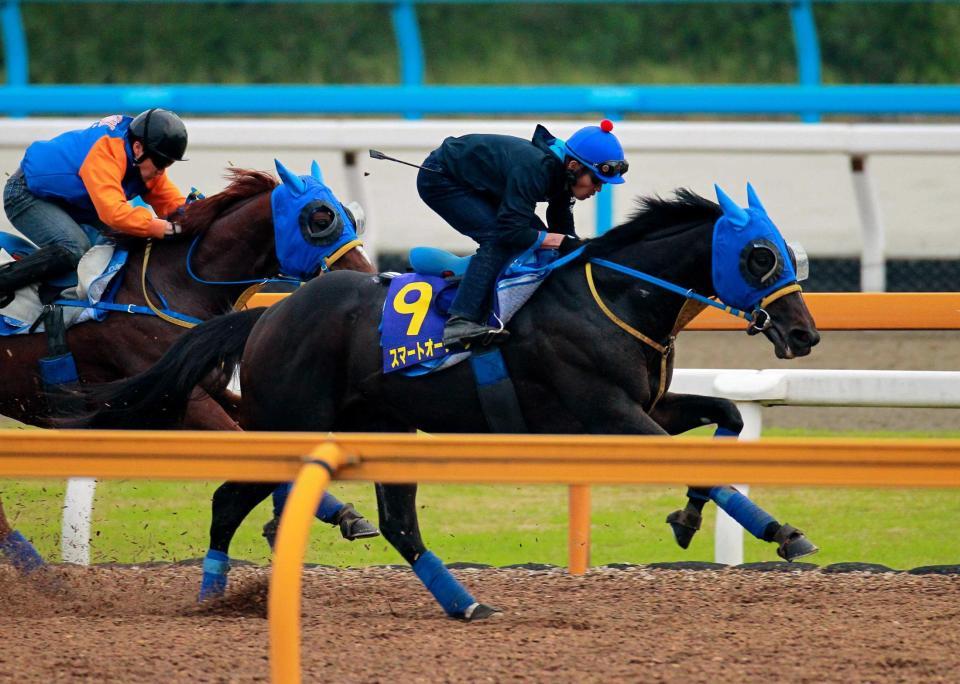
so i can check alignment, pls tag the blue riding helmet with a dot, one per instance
(598, 148)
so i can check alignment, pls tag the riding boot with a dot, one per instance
(47, 262)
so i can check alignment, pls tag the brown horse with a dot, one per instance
(236, 243)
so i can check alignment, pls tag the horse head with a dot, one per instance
(756, 271)
(313, 229)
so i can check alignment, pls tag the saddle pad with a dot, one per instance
(411, 330)
(423, 309)
(96, 271)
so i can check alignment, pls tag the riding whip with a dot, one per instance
(376, 154)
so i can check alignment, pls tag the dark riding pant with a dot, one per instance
(473, 214)
(42, 222)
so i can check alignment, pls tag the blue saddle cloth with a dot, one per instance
(417, 305)
(99, 286)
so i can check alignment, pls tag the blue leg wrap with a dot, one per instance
(21, 553)
(753, 518)
(450, 594)
(280, 495)
(724, 432)
(215, 568)
(328, 508)
(326, 511)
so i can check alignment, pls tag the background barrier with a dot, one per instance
(570, 460)
(842, 190)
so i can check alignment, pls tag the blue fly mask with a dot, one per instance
(312, 229)
(752, 264)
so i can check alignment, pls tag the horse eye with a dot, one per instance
(761, 261)
(322, 218)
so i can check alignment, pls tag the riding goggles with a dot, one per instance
(159, 162)
(612, 168)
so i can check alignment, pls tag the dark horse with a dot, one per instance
(237, 242)
(576, 370)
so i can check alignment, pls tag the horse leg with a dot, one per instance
(397, 505)
(678, 413)
(232, 503)
(18, 550)
(331, 510)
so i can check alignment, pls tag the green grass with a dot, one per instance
(138, 521)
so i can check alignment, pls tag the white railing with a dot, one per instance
(750, 389)
(817, 181)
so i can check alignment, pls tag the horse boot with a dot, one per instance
(47, 262)
(684, 524)
(353, 525)
(792, 543)
(460, 333)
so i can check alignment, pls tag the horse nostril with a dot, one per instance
(801, 338)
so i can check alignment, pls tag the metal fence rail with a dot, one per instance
(573, 460)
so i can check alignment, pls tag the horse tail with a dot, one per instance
(159, 396)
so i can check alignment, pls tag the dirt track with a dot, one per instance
(378, 624)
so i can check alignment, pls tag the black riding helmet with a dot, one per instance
(163, 135)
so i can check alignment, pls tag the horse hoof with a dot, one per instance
(684, 524)
(270, 532)
(793, 544)
(480, 611)
(355, 526)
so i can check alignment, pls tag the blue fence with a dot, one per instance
(808, 99)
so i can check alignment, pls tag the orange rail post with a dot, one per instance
(284, 600)
(579, 530)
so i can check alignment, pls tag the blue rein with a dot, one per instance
(676, 289)
(193, 246)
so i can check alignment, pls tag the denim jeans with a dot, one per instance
(42, 222)
(473, 214)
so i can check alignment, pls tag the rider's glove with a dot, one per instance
(569, 244)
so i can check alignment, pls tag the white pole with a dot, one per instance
(873, 260)
(77, 511)
(728, 542)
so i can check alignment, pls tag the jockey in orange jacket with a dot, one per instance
(86, 178)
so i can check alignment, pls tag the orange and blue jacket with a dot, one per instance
(90, 174)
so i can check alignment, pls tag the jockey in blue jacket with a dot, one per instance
(87, 177)
(487, 187)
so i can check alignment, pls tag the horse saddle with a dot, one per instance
(437, 262)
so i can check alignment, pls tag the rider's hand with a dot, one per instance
(172, 228)
(569, 244)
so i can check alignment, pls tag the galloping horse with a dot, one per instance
(576, 353)
(229, 238)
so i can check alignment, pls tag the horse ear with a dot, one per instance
(288, 178)
(315, 171)
(737, 216)
(753, 201)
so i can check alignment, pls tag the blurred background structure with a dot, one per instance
(874, 215)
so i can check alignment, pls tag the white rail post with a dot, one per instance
(873, 259)
(728, 541)
(77, 511)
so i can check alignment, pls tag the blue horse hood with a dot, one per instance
(750, 257)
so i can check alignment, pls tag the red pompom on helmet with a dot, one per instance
(606, 125)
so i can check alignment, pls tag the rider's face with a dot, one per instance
(587, 186)
(148, 170)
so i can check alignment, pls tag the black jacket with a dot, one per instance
(518, 174)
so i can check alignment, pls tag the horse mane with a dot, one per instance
(654, 214)
(244, 183)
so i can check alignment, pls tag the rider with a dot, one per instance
(487, 187)
(87, 177)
